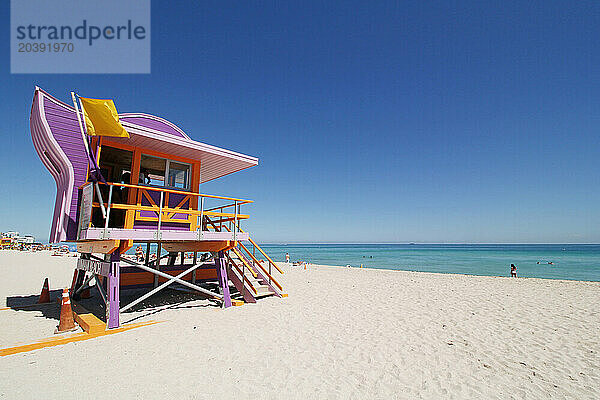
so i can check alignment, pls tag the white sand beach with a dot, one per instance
(343, 333)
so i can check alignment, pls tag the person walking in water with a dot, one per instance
(513, 270)
(287, 258)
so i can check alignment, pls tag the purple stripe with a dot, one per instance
(136, 270)
(66, 127)
(62, 114)
(149, 285)
(173, 226)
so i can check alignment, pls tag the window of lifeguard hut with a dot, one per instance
(152, 170)
(179, 174)
(157, 171)
(115, 163)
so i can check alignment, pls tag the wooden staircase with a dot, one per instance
(253, 278)
(250, 277)
(255, 286)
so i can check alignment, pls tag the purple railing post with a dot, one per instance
(222, 277)
(112, 309)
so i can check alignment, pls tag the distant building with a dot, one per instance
(5, 242)
(13, 237)
(27, 239)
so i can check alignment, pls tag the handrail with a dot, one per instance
(256, 246)
(243, 260)
(252, 271)
(219, 207)
(261, 267)
(170, 210)
(259, 264)
(167, 190)
(250, 267)
(209, 221)
(255, 260)
(244, 279)
(263, 253)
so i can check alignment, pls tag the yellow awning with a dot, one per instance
(101, 118)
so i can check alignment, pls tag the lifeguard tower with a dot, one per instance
(145, 188)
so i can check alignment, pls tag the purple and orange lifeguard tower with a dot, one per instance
(113, 192)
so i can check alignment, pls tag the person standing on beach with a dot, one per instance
(287, 258)
(513, 270)
(139, 254)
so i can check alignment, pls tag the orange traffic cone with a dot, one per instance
(66, 323)
(45, 295)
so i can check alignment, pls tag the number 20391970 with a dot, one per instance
(66, 47)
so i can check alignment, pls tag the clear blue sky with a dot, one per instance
(373, 121)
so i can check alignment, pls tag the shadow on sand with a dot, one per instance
(167, 299)
(29, 303)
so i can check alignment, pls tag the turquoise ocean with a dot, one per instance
(570, 261)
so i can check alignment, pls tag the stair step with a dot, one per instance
(263, 294)
(256, 284)
(260, 285)
(262, 288)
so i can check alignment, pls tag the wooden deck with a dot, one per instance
(152, 235)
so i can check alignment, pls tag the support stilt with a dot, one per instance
(147, 259)
(194, 272)
(171, 259)
(157, 264)
(78, 278)
(112, 309)
(222, 277)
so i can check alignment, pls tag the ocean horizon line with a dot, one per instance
(444, 243)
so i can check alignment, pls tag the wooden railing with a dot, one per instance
(242, 274)
(167, 190)
(257, 247)
(252, 257)
(164, 212)
(257, 262)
